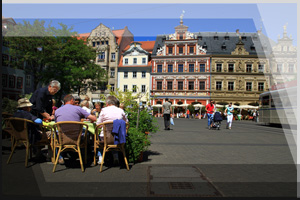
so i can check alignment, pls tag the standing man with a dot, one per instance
(229, 112)
(42, 100)
(166, 110)
(210, 110)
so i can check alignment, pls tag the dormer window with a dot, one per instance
(252, 48)
(200, 37)
(204, 45)
(181, 37)
(223, 46)
(244, 38)
(226, 37)
(216, 38)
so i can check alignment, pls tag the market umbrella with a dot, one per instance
(158, 106)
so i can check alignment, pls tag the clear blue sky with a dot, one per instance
(146, 21)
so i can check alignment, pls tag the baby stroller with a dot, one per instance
(217, 118)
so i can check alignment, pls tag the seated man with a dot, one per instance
(110, 113)
(34, 133)
(71, 112)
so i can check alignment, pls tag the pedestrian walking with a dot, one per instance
(188, 113)
(229, 113)
(166, 110)
(210, 110)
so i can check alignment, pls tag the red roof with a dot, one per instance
(146, 45)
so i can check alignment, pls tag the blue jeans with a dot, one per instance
(209, 119)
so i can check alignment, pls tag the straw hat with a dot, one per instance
(24, 102)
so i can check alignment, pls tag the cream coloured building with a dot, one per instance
(135, 67)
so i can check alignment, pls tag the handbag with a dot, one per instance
(172, 121)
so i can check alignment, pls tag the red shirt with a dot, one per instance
(210, 108)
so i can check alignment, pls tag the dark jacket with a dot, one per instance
(119, 130)
(42, 101)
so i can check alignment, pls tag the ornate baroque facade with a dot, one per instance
(180, 68)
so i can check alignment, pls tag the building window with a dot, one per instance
(134, 60)
(19, 82)
(125, 74)
(226, 37)
(219, 67)
(191, 67)
(126, 61)
(143, 60)
(159, 85)
(180, 37)
(181, 50)
(170, 68)
(133, 74)
(106, 42)
(113, 56)
(28, 80)
(219, 85)
(125, 88)
(112, 87)
(102, 42)
(180, 85)
(11, 81)
(230, 67)
(101, 56)
(216, 38)
(5, 59)
(143, 88)
(279, 67)
(260, 68)
(191, 85)
(143, 74)
(202, 67)
(170, 85)
(191, 49)
(230, 86)
(112, 73)
(249, 86)
(159, 68)
(180, 68)
(133, 88)
(4, 80)
(244, 38)
(248, 68)
(94, 44)
(291, 67)
(202, 85)
(170, 50)
(261, 86)
(98, 43)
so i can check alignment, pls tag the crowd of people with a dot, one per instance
(41, 106)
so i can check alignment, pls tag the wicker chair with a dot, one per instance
(108, 142)
(70, 138)
(19, 133)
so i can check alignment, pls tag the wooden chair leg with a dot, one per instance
(103, 156)
(95, 153)
(56, 161)
(125, 159)
(27, 153)
(80, 159)
(12, 151)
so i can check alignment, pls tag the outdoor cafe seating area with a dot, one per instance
(64, 136)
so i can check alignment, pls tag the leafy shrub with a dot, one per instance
(9, 106)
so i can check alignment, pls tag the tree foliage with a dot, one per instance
(49, 53)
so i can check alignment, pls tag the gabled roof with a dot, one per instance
(120, 34)
(83, 36)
